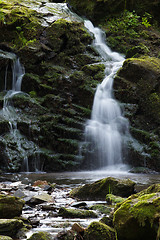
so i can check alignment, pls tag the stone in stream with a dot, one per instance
(10, 206)
(10, 227)
(138, 217)
(74, 213)
(99, 231)
(37, 199)
(41, 236)
(99, 189)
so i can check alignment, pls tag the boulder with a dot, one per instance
(137, 83)
(10, 206)
(10, 227)
(99, 231)
(74, 213)
(138, 216)
(99, 189)
(41, 236)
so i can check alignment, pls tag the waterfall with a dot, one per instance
(107, 128)
(17, 145)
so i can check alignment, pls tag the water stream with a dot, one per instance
(106, 130)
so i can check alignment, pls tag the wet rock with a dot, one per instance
(138, 216)
(79, 205)
(99, 189)
(108, 220)
(99, 231)
(10, 227)
(68, 235)
(10, 206)
(74, 213)
(44, 197)
(41, 236)
(19, 193)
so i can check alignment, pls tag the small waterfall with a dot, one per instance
(17, 145)
(105, 131)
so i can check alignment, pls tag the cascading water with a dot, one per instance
(16, 144)
(105, 131)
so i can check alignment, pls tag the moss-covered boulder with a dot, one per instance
(41, 236)
(99, 231)
(76, 213)
(137, 85)
(10, 227)
(138, 216)
(99, 189)
(10, 206)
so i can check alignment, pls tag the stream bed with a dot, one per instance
(44, 215)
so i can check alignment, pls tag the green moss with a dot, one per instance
(112, 199)
(74, 213)
(41, 236)
(99, 231)
(99, 189)
(22, 21)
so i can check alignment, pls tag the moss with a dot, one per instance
(138, 215)
(41, 236)
(22, 22)
(10, 206)
(99, 231)
(99, 189)
(112, 199)
(74, 213)
(10, 227)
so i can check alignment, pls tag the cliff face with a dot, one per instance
(61, 74)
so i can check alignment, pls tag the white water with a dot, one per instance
(106, 129)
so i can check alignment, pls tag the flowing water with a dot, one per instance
(16, 144)
(106, 130)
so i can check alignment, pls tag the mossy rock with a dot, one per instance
(10, 227)
(99, 189)
(76, 213)
(41, 236)
(138, 216)
(64, 35)
(10, 206)
(99, 231)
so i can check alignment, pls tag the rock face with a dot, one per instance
(137, 86)
(99, 189)
(10, 206)
(138, 216)
(62, 72)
